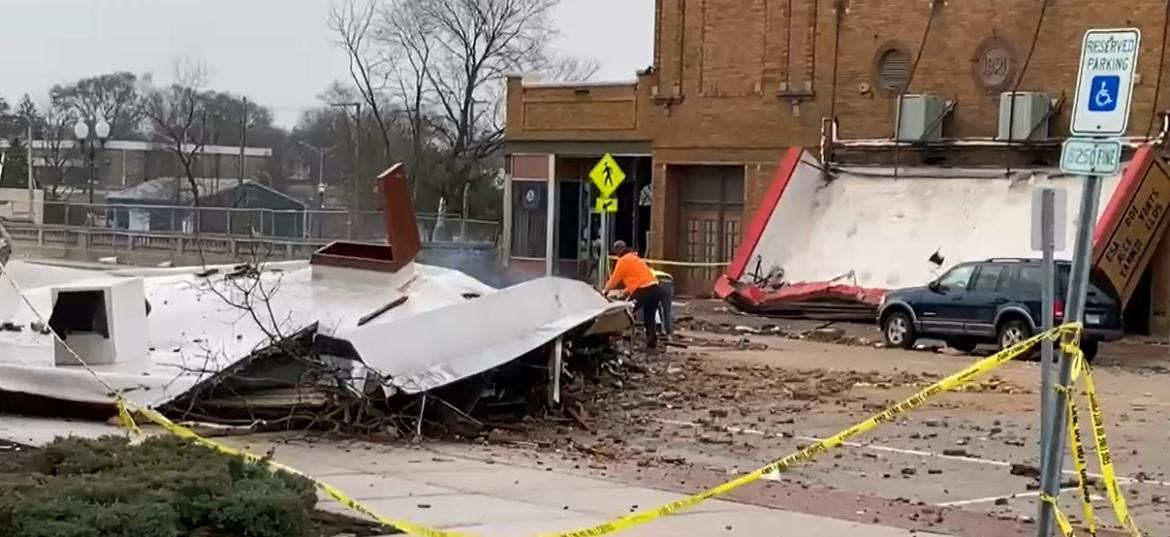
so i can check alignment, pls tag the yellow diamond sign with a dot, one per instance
(605, 205)
(607, 175)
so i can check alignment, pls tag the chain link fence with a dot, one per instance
(322, 225)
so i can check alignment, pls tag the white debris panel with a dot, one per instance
(873, 228)
(424, 326)
(441, 346)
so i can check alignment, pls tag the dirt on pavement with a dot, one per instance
(723, 402)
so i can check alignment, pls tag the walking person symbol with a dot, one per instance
(608, 175)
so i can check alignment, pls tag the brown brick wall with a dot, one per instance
(718, 111)
(737, 81)
(618, 112)
(945, 67)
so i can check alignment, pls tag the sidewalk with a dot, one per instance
(495, 499)
(437, 486)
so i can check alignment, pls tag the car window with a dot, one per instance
(1032, 281)
(957, 278)
(988, 278)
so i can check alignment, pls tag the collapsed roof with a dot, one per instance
(161, 335)
(831, 242)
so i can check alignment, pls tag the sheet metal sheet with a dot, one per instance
(192, 332)
(441, 346)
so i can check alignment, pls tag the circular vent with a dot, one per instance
(893, 69)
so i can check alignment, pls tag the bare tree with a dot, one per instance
(439, 66)
(58, 155)
(369, 68)
(569, 70)
(408, 36)
(113, 97)
(176, 116)
(479, 43)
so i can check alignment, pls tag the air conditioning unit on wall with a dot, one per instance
(921, 118)
(1028, 121)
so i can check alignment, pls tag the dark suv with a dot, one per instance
(996, 301)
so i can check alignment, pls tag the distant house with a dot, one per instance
(245, 207)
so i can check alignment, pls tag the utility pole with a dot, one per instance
(356, 129)
(32, 211)
(243, 138)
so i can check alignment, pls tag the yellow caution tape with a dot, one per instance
(952, 382)
(1109, 475)
(1068, 333)
(689, 264)
(1062, 521)
(125, 418)
(410, 528)
(1078, 450)
(1113, 490)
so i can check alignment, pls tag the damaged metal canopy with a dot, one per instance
(204, 322)
(355, 313)
(432, 349)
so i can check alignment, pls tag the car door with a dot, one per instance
(1028, 290)
(986, 295)
(942, 307)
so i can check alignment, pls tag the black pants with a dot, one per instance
(648, 299)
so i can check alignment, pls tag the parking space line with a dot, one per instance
(1031, 494)
(918, 453)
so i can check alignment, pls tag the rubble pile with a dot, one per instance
(823, 333)
(359, 337)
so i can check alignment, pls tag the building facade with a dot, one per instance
(733, 83)
(119, 164)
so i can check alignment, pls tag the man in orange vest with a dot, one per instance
(633, 275)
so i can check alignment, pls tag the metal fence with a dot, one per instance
(257, 223)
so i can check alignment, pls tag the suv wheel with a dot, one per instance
(898, 330)
(1012, 333)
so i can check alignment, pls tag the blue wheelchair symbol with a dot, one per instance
(1104, 92)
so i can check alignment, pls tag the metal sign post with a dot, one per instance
(1103, 98)
(1047, 212)
(1053, 457)
(603, 259)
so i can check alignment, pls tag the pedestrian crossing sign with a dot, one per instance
(605, 205)
(608, 176)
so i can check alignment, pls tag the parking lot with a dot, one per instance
(720, 404)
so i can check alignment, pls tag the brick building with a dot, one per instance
(733, 83)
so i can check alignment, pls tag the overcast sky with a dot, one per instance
(277, 52)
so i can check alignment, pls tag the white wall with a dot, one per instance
(14, 204)
(883, 230)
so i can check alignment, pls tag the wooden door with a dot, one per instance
(712, 224)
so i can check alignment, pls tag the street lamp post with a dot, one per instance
(321, 186)
(90, 142)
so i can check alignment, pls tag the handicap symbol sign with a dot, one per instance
(1105, 89)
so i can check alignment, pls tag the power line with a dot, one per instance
(1161, 69)
(934, 4)
(1020, 78)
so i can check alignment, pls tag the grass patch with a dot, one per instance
(163, 487)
